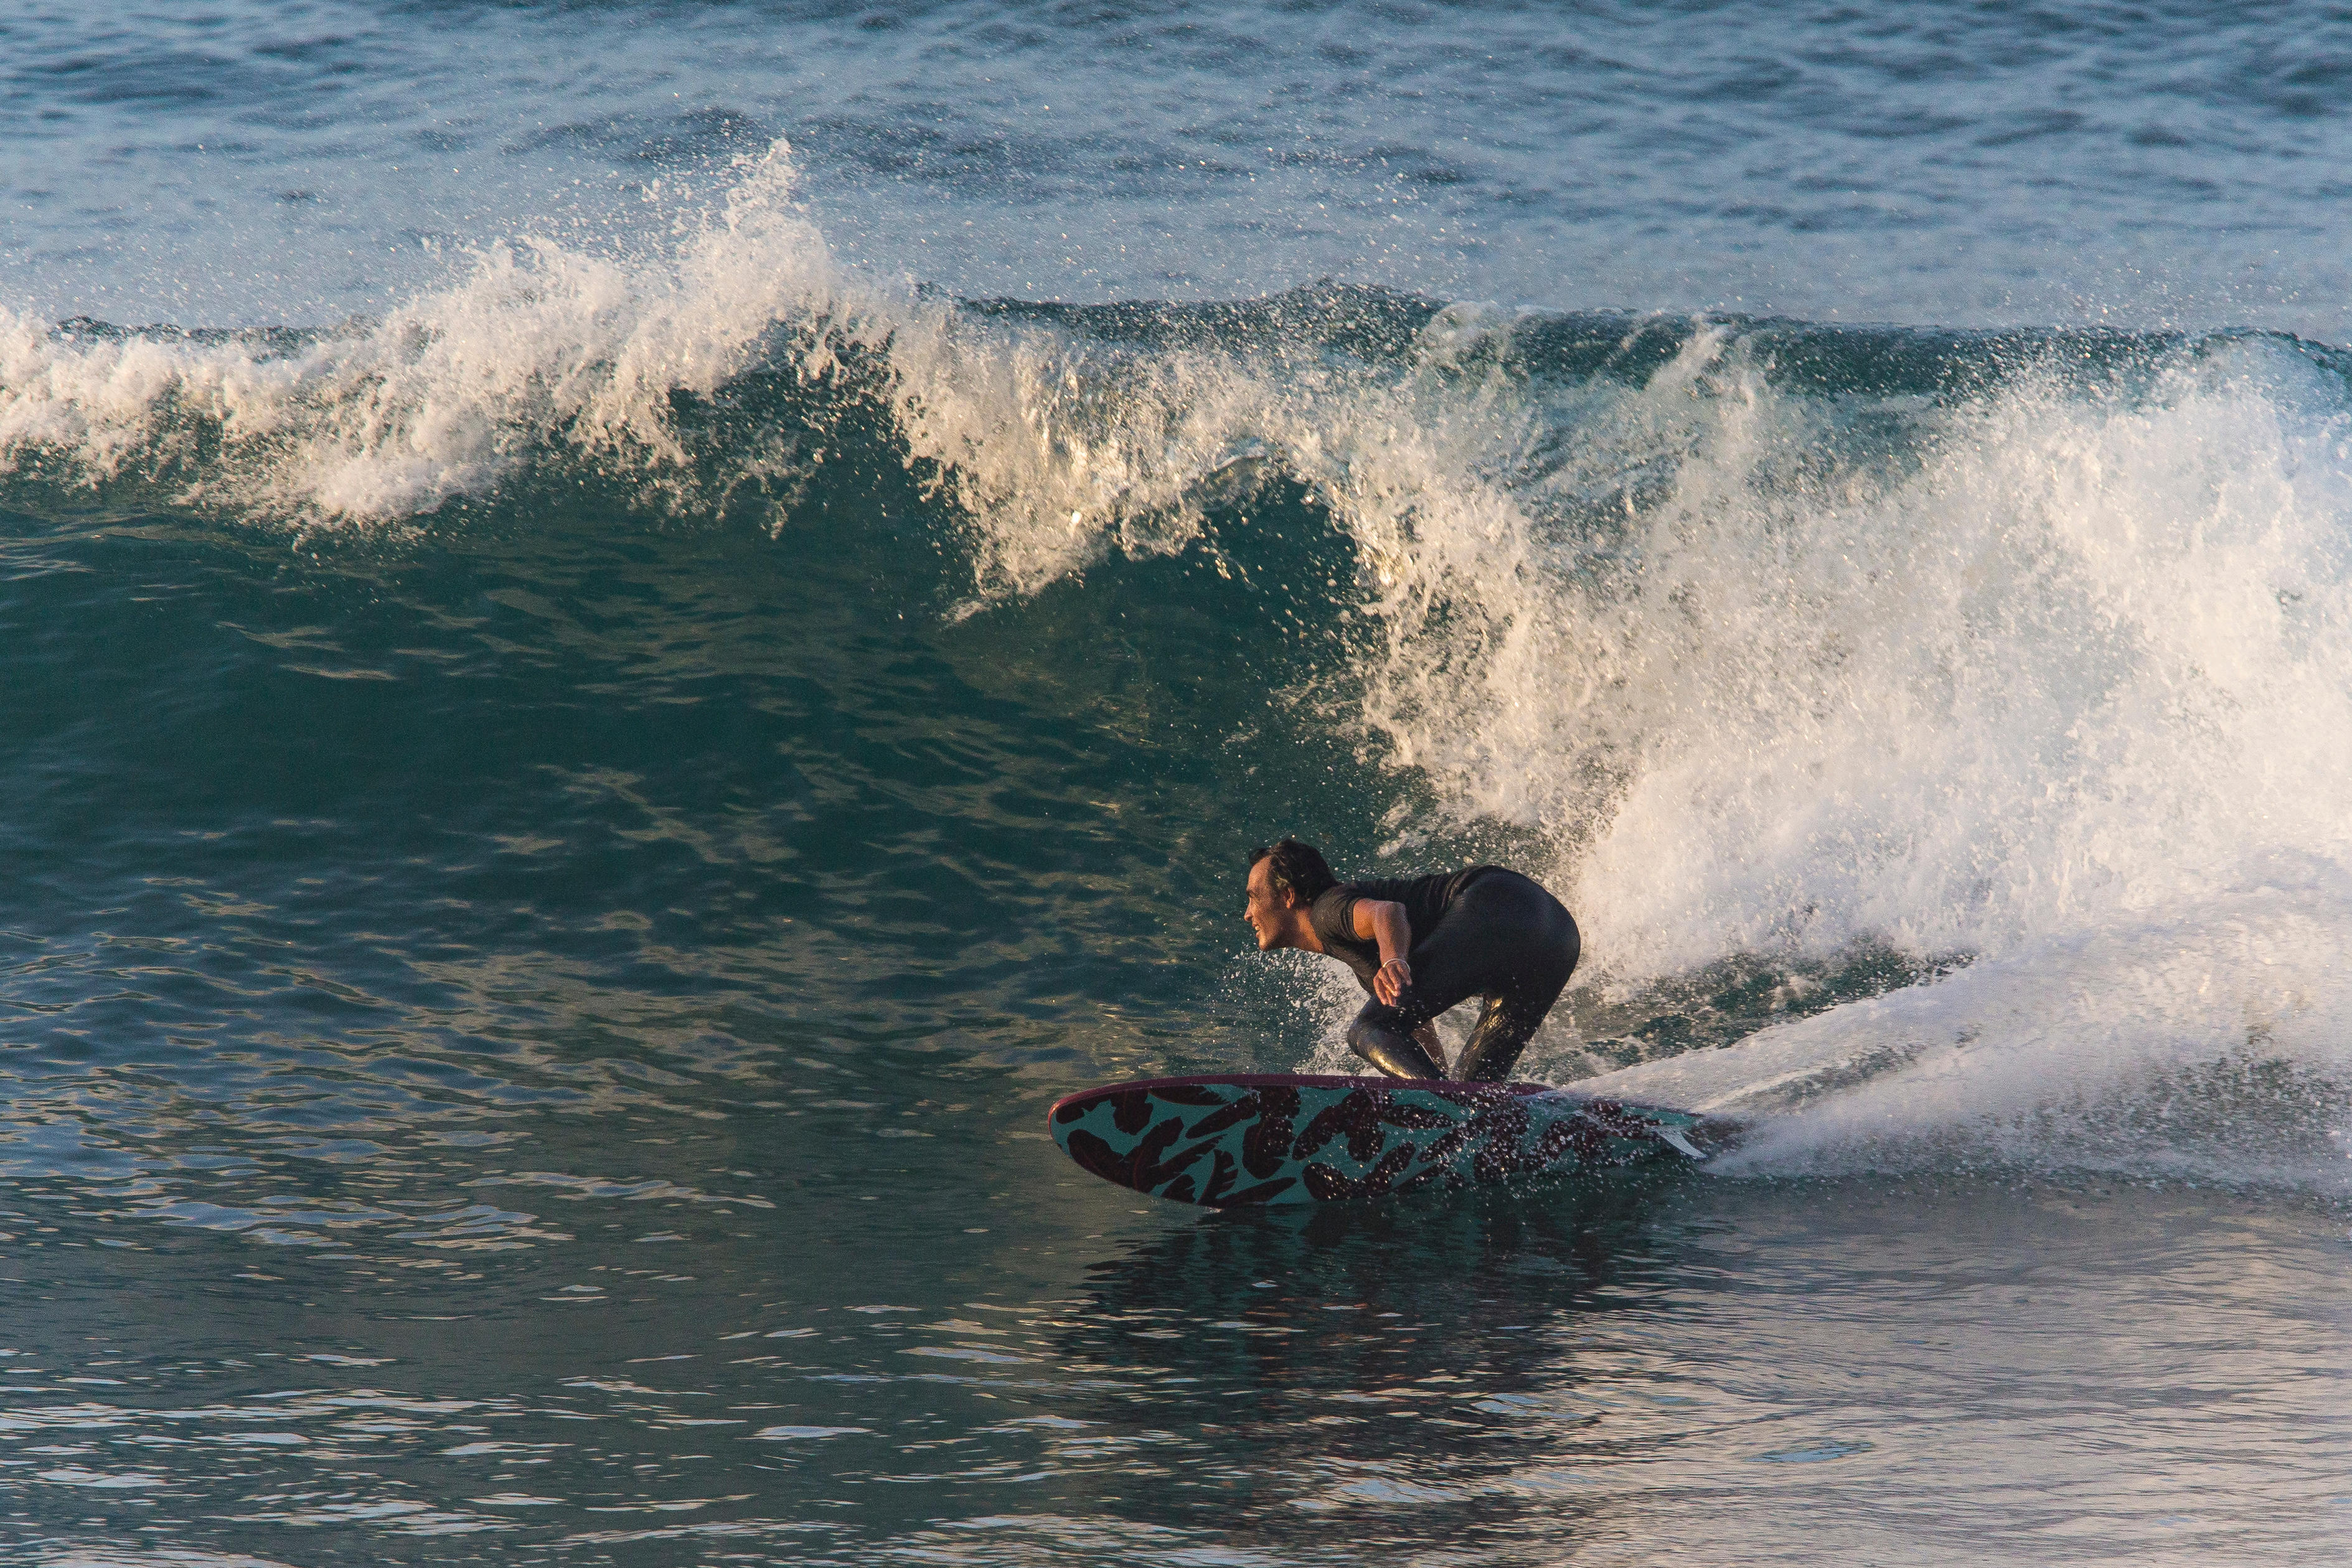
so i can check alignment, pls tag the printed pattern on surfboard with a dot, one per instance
(1260, 1138)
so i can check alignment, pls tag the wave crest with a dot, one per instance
(538, 349)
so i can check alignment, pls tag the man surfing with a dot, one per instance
(1420, 946)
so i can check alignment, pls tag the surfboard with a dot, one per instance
(1234, 1141)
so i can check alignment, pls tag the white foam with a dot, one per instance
(2209, 1046)
(537, 344)
(2069, 694)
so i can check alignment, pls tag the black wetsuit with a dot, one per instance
(1485, 932)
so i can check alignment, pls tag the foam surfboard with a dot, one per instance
(1234, 1140)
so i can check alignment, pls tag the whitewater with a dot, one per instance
(584, 766)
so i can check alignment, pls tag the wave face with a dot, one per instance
(1939, 733)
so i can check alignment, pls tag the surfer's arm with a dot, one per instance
(1378, 919)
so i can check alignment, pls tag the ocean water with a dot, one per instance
(630, 632)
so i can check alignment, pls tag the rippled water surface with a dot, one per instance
(629, 633)
(1936, 164)
(1958, 1373)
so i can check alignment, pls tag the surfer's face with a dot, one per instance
(1270, 910)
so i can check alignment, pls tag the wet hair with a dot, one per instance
(1298, 867)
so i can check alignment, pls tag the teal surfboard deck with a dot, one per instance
(1276, 1138)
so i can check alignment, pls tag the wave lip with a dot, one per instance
(538, 347)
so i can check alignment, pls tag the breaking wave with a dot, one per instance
(1940, 735)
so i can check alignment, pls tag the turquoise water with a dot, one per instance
(594, 728)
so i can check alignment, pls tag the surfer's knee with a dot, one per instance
(1388, 1044)
(1378, 1026)
(1366, 1039)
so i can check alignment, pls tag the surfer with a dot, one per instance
(1420, 946)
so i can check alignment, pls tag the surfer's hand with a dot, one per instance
(1389, 984)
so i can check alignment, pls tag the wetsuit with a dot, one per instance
(1485, 932)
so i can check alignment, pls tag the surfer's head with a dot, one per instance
(1284, 880)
